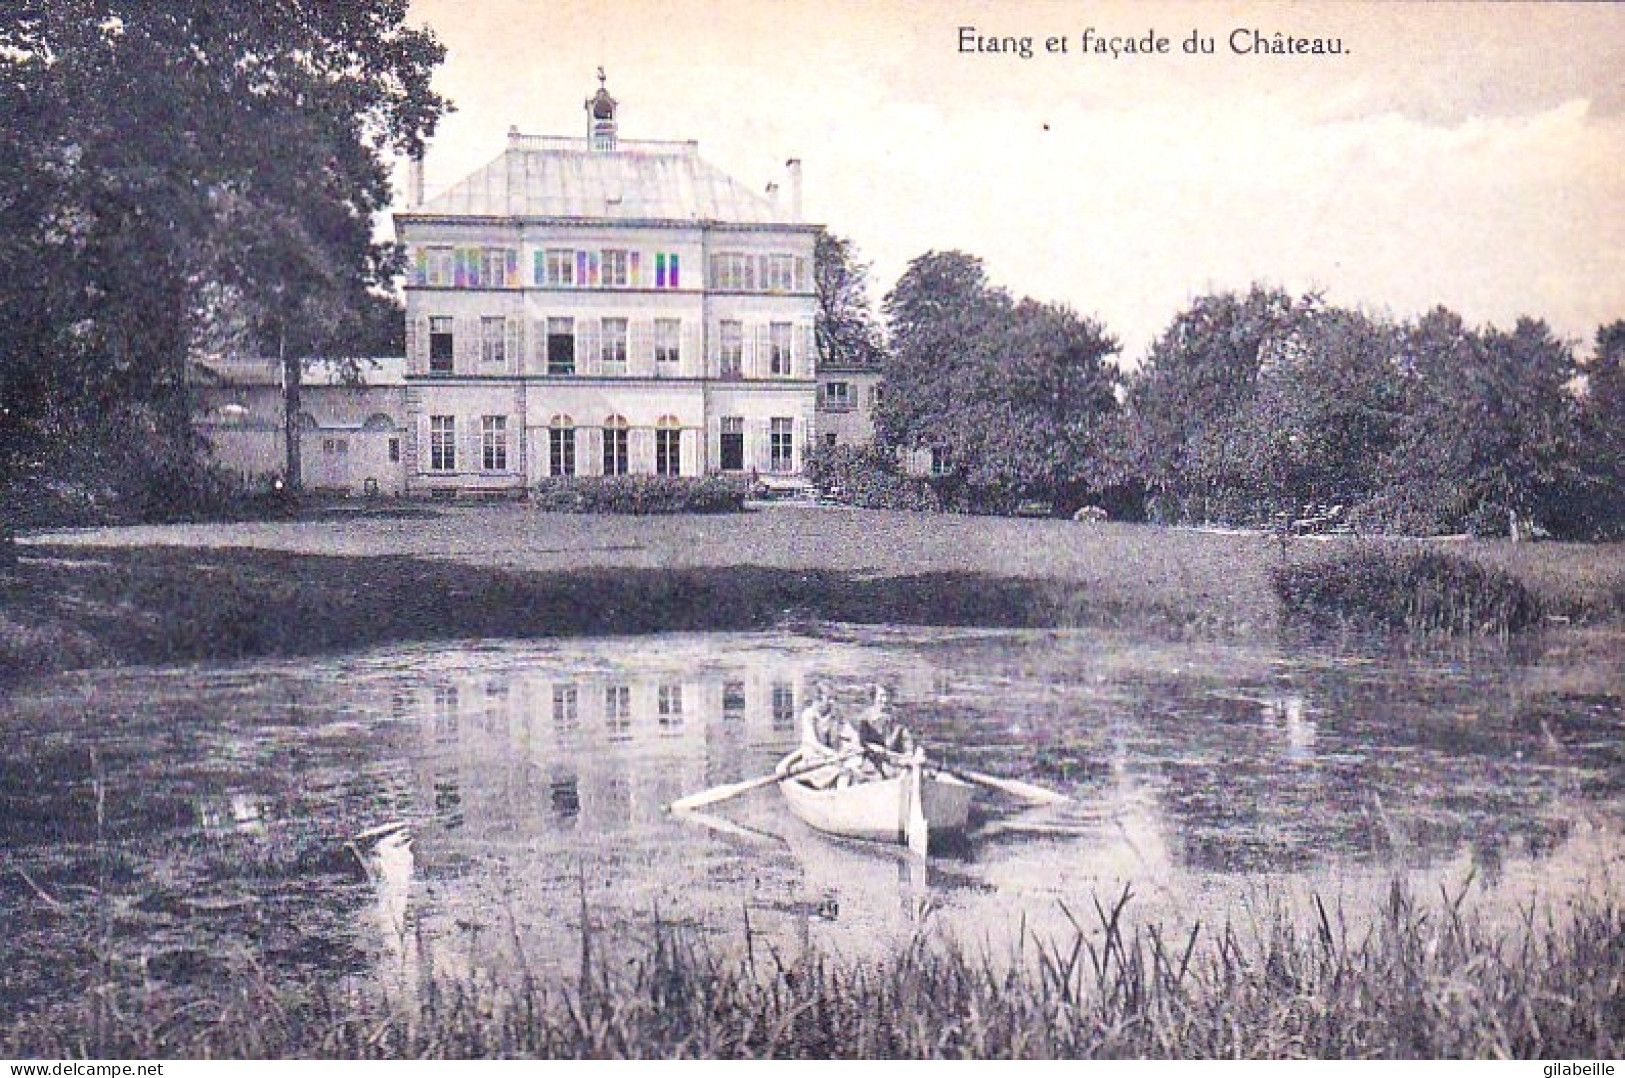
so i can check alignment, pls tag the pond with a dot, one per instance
(469, 807)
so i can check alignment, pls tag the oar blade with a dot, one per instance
(1015, 788)
(919, 828)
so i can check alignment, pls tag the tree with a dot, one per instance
(1013, 395)
(1189, 436)
(848, 335)
(165, 158)
(1600, 502)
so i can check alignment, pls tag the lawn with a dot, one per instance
(346, 578)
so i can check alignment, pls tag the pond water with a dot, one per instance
(458, 806)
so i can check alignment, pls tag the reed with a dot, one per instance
(1387, 588)
(1420, 979)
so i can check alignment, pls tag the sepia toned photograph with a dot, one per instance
(776, 529)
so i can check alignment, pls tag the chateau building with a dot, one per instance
(602, 306)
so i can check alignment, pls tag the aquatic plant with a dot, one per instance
(1387, 588)
(1421, 980)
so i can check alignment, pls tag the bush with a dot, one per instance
(642, 494)
(870, 477)
(1427, 591)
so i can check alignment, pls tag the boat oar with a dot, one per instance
(1014, 787)
(733, 789)
(919, 829)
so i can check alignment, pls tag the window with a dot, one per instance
(780, 443)
(779, 347)
(394, 450)
(939, 462)
(733, 349)
(612, 346)
(442, 443)
(566, 707)
(668, 350)
(493, 340)
(561, 346)
(733, 443)
(875, 395)
(733, 701)
(778, 273)
(666, 270)
(333, 446)
(668, 446)
(494, 443)
(669, 706)
(493, 267)
(441, 346)
(561, 446)
(561, 268)
(615, 269)
(837, 396)
(728, 272)
(784, 707)
(440, 269)
(829, 439)
(615, 442)
(618, 711)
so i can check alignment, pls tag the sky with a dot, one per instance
(1469, 155)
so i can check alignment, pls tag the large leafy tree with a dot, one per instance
(165, 160)
(848, 335)
(1014, 394)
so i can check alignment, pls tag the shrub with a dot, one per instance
(870, 477)
(642, 494)
(1428, 591)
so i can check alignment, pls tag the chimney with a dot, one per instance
(513, 135)
(773, 195)
(414, 181)
(793, 167)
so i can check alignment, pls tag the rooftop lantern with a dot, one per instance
(601, 118)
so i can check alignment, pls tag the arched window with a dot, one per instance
(306, 421)
(668, 446)
(616, 454)
(561, 446)
(378, 421)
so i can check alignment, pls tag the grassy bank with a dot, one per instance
(347, 579)
(1425, 982)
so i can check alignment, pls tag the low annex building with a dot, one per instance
(600, 306)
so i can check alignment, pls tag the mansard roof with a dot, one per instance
(541, 176)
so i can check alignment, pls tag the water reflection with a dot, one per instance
(460, 808)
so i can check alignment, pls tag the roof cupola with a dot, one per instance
(601, 117)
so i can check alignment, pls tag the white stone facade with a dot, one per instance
(592, 306)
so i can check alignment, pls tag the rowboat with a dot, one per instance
(908, 807)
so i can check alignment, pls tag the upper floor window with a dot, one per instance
(556, 267)
(612, 343)
(442, 345)
(733, 271)
(668, 347)
(778, 273)
(837, 395)
(561, 346)
(466, 267)
(733, 349)
(778, 339)
(493, 340)
(729, 273)
(617, 269)
(439, 268)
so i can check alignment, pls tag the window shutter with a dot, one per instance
(762, 457)
(587, 338)
(640, 360)
(589, 451)
(538, 350)
(420, 358)
(515, 330)
(798, 443)
(689, 364)
(755, 352)
(713, 444)
(640, 451)
(807, 362)
(688, 451)
(801, 275)
(713, 352)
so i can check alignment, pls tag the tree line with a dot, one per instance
(1250, 408)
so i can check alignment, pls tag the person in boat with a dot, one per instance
(878, 727)
(819, 734)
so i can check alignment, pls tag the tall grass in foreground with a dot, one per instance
(1422, 591)
(1418, 983)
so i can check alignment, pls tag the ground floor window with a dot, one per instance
(668, 449)
(442, 443)
(494, 443)
(615, 446)
(940, 464)
(394, 450)
(733, 444)
(781, 445)
(561, 449)
(829, 439)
